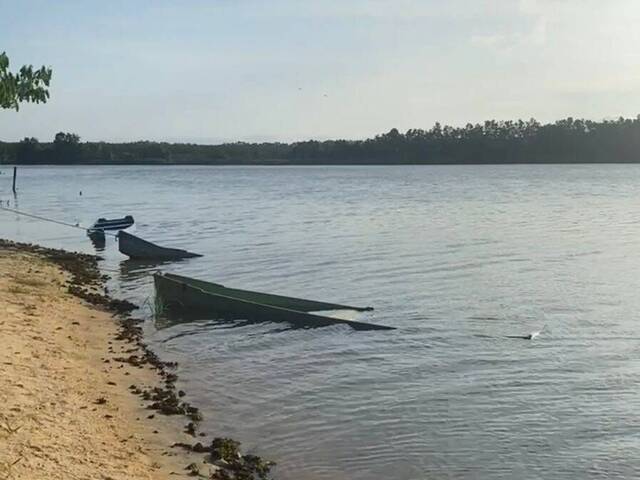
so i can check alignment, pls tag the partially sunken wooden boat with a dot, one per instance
(140, 249)
(114, 224)
(188, 295)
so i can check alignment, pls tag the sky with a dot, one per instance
(214, 71)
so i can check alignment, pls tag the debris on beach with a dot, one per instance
(225, 454)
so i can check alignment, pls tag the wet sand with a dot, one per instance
(66, 407)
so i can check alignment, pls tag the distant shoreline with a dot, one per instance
(567, 141)
(320, 164)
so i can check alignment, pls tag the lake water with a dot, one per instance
(456, 257)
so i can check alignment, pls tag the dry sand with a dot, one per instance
(65, 413)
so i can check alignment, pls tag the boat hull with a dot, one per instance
(139, 249)
(181, 294)
(281, 301)
(116, 224)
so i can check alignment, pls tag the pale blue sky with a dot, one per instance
(212, 71)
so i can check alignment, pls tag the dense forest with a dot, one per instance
(565, 141)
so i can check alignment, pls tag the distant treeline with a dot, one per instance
(565, 141)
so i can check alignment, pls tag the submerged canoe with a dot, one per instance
(114, 224)
(140, 249)
(193, 296)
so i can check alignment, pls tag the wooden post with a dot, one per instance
(15, 169)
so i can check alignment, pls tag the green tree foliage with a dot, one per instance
(565, 141)
(28, 85)
(29, 150)
(63, 138)
(66, 148)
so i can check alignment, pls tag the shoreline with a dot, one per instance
(83, 395)
(278, 163)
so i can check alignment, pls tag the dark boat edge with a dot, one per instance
(311, 305)
(135, 245)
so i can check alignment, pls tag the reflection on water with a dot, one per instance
(131, 270)
(457, 257)
(165, 318)
(98, 240)
(198, 324)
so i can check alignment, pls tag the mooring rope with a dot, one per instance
(46, 219)
(38, 217)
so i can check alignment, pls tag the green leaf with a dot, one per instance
(25, 86)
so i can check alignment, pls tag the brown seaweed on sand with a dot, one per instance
(232, 465)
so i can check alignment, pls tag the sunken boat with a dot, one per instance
(188, 295)
(139, 249)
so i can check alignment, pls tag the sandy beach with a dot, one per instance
(66, 408)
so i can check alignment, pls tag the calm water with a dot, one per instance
(455, 257)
